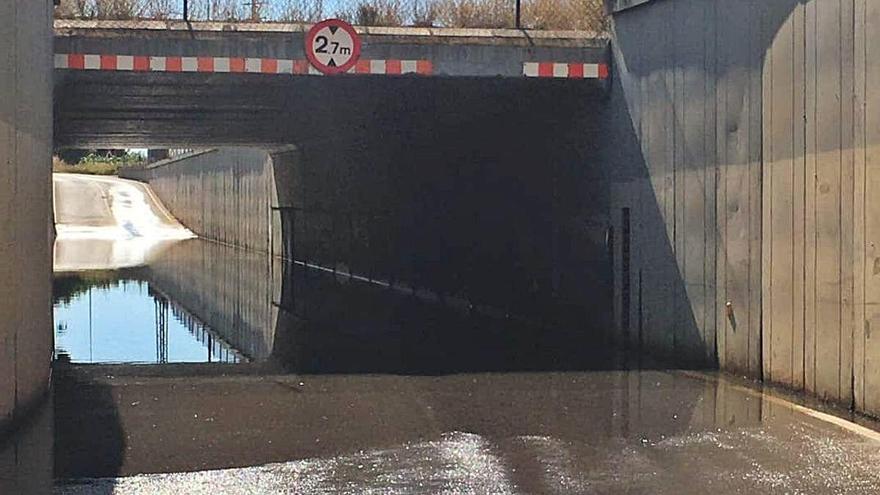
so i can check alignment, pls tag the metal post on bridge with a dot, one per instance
(186, 10)
(518, 14)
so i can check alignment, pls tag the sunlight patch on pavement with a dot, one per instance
(136, 227)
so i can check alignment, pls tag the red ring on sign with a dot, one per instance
(310, 43)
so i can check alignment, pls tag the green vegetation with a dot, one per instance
(97, 164)
(66, 288)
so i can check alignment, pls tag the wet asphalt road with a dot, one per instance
(614, 432)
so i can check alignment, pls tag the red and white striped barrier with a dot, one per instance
(565, 70)
(76, 61)
(146, 63)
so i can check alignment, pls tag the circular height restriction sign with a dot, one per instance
(333, 46)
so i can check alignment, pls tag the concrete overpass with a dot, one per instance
(473, 119)
(173, 84)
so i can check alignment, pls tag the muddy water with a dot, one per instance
(603, 432)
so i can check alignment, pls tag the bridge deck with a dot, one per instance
(278, 48)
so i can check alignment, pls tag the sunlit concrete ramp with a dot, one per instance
(108, 223)
(172, 84)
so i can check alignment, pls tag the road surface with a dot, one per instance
(106, 223)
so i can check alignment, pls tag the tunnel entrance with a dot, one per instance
(450, 227)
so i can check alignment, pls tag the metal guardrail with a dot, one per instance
(580, 15)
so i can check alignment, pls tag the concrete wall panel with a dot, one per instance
(8, 162)
(828, 201)
(223, 195)
(691, 240)
(869, 369)
(780, 171)
(25, 157)
(694, 103)
(791, 85)
(859, 186)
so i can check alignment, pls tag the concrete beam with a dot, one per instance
(450, 52)
(192, 110)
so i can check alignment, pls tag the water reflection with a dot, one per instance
(334, 323)
(248, 306)
(110, 317)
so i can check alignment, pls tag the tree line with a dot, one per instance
(584, 15)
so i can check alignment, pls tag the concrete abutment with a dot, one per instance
(749, 196)
(25, 205)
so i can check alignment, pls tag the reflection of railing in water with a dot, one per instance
(225, 290)
(331, 321)
(161, 328)
(514, 267)
(219, 351)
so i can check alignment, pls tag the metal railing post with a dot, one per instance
(518, 12)
(186, 10)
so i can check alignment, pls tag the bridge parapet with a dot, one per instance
(175, 46)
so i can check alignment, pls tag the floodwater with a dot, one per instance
(341, 385)
(121, 320)
(605, 432)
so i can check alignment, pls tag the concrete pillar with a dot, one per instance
(25, 203)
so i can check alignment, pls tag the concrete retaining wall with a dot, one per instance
(231, 290)
(750, 199)
(689, 180)
(224, 195)
(25, 161)
(821, 137)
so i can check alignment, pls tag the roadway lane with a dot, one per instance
(107, 222)
(80, 200)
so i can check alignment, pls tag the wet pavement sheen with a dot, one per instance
(613, 432)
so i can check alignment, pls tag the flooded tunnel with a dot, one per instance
(423, 303)
(487, 261)
(442, 187)
(408, 228)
